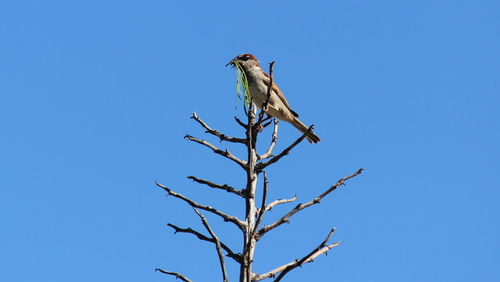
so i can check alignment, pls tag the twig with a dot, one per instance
(260, 166)
(226, 217)
(216, 150)
(269, 88)
(279, 202)
(217, 245)
(177, 275)
(240, 122)
(284, 269)
(274, 139)
(202, 237)
(262, 209)
(260, 125)
(300, 207)
(218, 186)
(267, 123)
(321, 249)
(216, 132)
(249, 130)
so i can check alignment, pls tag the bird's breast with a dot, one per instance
(258, 91)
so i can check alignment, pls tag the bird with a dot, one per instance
(278, 106)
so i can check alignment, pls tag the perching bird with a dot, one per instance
(258, 82)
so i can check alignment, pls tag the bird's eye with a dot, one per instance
(245, 58)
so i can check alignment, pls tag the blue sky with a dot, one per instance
(96, 98)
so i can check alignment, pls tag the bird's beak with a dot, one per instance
(231, 63)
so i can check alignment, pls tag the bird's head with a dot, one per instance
(246, 61)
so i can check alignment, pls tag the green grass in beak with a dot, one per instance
(242, 85)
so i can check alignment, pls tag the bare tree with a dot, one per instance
(254, 165)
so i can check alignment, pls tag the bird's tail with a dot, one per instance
(311, 137)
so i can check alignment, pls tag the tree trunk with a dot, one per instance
(251, 210)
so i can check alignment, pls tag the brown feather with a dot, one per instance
(280, 94)
(311, 137)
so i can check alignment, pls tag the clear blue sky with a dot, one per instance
(96, 98)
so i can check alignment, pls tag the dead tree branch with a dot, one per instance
(215, 132)
(262, 209)
(261, 166)
(224, 153)
(202, 237)
(269, 89)
(284, 269)
(274, 139)
(217, 244)
(279, 202)
(218, 186)
(240, 224)
(300, 207)
(238, 121)
(177, 275)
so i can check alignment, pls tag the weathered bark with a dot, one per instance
(251, 211)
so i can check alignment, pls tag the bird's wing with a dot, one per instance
(279, 93)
